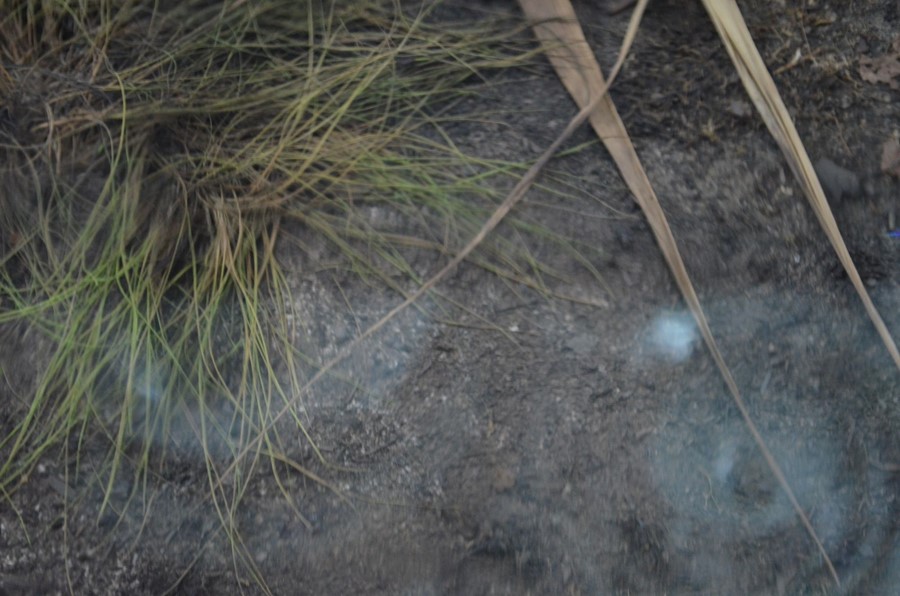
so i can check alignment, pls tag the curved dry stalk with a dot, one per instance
(726, 16)
(557, 26)
(502, 210)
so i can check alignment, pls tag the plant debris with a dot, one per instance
(882, 69)
(890, 157)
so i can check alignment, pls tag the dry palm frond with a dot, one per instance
(761, 88)
(556, 25)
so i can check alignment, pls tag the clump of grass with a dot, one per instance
(154, 155)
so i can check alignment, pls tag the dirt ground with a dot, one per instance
(547, 446)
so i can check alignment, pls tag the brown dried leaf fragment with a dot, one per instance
(884, 68)
(890, 157)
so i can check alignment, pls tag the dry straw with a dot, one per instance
(556, 25)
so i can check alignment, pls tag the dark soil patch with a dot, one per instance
(575, 449)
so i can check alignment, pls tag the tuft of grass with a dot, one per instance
(154, 156)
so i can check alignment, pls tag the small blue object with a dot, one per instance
(894, 234)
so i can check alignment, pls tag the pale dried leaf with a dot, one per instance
(890, 157)
(882, 69)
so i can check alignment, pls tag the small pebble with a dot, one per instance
(869, 188)
(740, 108)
